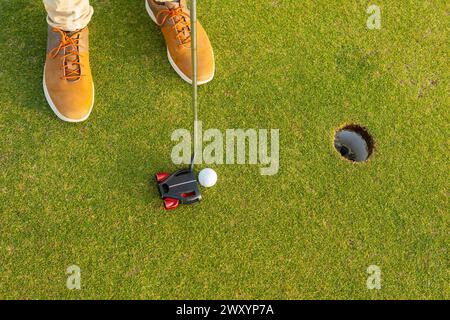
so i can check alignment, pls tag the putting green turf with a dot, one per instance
(83, 194)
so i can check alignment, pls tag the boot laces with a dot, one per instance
(69, 44)
(182, 24)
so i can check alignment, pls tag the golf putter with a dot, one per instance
(182, 186)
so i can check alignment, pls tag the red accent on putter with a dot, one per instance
(187, 195)
(161, 176)
(170, 204)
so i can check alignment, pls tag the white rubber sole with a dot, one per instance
(55, 110)
(172, 63)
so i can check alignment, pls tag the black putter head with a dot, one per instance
(180, 187)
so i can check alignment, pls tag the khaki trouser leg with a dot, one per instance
(71, 15)
(68, 15)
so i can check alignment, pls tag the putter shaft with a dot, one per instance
(194, 75)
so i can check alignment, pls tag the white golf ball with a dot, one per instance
(207, 177)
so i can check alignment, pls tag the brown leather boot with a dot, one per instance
(174, 19)
(68, 84)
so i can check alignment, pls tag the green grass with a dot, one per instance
(83, 194)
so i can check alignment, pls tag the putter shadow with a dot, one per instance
(141, 39)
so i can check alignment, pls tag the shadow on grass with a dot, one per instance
(23, 37)
(130, 67)
(134, 54)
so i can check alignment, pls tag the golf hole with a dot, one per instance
(354, 143)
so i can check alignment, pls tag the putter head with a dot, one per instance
(180, 187)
